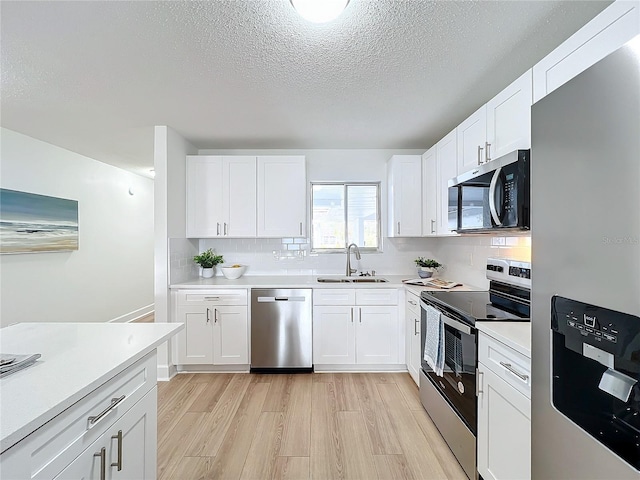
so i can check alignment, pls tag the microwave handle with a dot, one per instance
(492, 196)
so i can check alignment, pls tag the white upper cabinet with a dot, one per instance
(221, 196)
(509, 118)
(472, 140)
(612, 28)
(282, 196)
(430, 193)
(446, 168)
(204, 196)
(404, 173)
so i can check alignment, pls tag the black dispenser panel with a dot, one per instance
(596, 373)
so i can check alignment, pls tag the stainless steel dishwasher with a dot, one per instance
(281, 329)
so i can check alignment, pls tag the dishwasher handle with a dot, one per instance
(281, 299)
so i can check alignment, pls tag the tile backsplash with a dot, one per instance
(464, 257)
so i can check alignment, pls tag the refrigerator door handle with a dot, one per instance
(492, 197)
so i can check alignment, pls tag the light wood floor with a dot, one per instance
(303, 426)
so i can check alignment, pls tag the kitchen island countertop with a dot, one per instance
(76, 359)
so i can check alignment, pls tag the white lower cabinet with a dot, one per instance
(504, 412)
(216, 327)
(111, 433)
(350, 332)
(127, 450)
(412, 345)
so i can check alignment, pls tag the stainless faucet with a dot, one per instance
(349, 269)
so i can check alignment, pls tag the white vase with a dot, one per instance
(208, 272)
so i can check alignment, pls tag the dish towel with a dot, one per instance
(434, 341)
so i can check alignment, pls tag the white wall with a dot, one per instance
(111, 275)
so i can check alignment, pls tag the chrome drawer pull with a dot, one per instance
(514, 371)
(212, 298)
(119, 462)
(114, 403)
(103, 464)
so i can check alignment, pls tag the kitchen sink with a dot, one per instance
(351, 280)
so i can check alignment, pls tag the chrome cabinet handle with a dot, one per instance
(208, 319)
(433, 226)
(215, 315)
(415, 326)
(218, 228)
(351, 314)
(300, 228)
(360, 315)
(412, 302)
(480, 149)
(398, 228)
(480, 377)
(212, 298)
(103, 462)
(225, 228)
(114, 402)
(509, 367)
(487, 155)
(119, 462)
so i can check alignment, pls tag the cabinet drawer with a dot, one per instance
(334, 296)
(212, 297)
(412, 303)
(504, 361)
(377, 296)
(48, 450)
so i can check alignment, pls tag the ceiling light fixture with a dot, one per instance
(319, 11)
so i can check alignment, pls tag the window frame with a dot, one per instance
(345, 185)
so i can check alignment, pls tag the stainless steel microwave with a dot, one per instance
(494, 196)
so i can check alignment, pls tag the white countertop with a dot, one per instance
(516, 335)
(301, 281)
(76, 359)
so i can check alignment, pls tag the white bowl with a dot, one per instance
(233, 272)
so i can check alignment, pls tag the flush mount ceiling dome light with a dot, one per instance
(319, 11)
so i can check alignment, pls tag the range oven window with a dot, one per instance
(453, 351)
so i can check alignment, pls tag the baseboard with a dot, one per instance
(166, 372)
(400, 368)
(134, 315)
(213, 368)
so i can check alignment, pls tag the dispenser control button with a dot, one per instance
(611, 338)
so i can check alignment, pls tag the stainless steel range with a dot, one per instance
(449, 391)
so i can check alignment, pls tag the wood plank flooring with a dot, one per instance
(319, 426)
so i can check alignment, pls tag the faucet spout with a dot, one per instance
(358, 257)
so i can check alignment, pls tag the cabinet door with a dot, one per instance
(132, 439)
(230, 335)
(471, 136)
(204, 196)
(195, 341)
(412, 344)
(334, 335)
(612, 28)
(429, 193)
(239, 196)
(405, 196)
(504, 429)
(282, 196)
(377, 335)
(509, 118)
(447, 167)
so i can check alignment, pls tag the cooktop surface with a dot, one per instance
(471, 305)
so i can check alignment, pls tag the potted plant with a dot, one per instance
(208, 261)
(427, 266)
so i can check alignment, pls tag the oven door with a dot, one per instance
(458, 383)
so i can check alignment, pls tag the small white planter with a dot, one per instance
(208, 272)
(425, 272)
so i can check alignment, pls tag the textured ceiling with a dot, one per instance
(94, 77)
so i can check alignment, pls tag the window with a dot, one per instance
(345, 213)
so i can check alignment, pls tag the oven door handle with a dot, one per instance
(492, 197)
(455, 324)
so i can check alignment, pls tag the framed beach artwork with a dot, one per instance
(31, 223)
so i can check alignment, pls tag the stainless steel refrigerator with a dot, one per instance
(585, 224)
